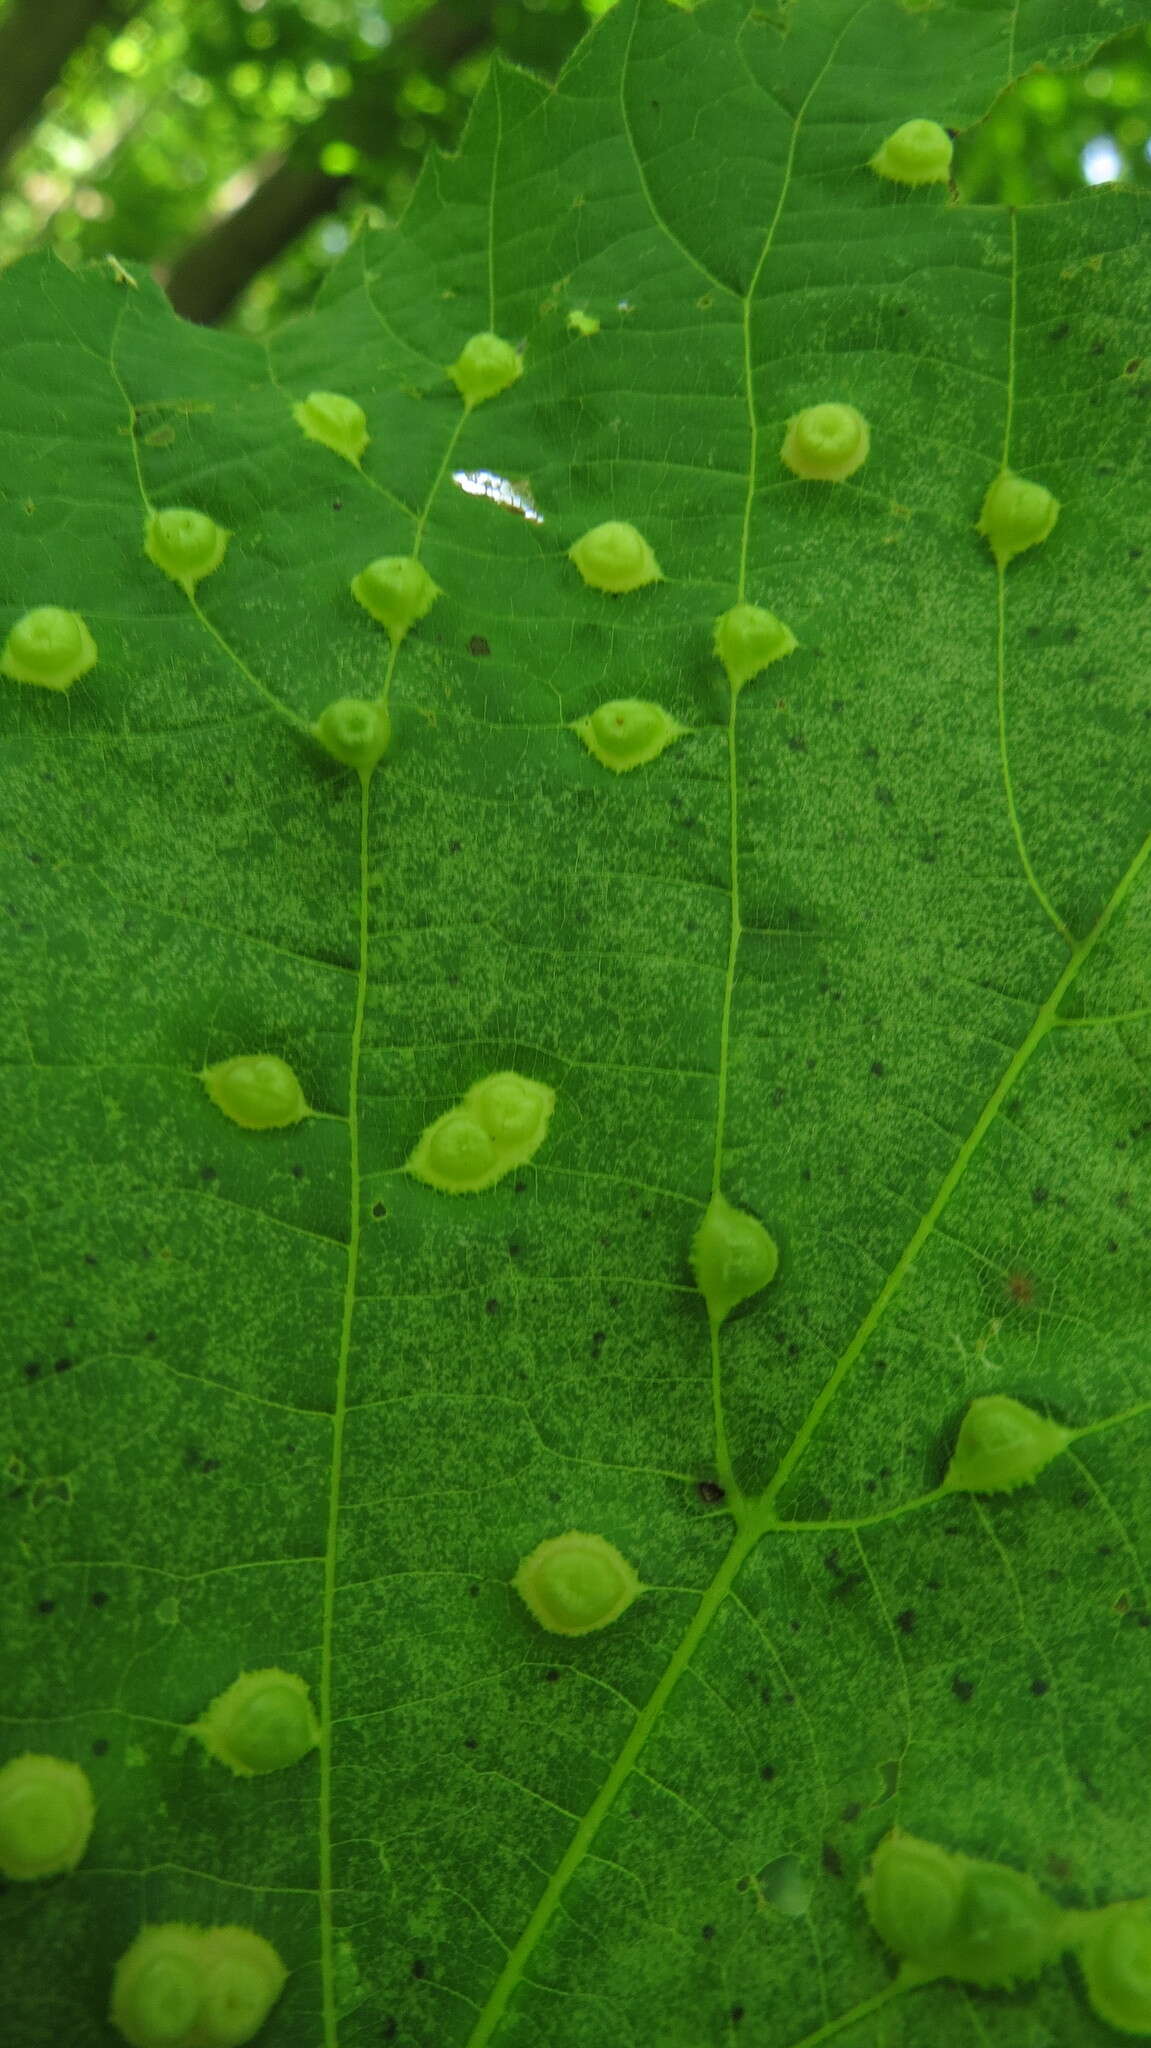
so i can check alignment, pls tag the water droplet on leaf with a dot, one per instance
(259, 1091)
(748, 639)
(615, 557)
(46, 1814)
(627, 733)
(485, 366)
(186, 545)
(335, 421)
(576, 1583)
(732, 1257)
(1001, 1445)
(826, 442)
(396, 590)
(262, 1722)
(919, 153)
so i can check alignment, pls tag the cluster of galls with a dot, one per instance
(949, 1915)
(176, 1986)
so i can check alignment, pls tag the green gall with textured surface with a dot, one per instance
(627, 733)
(355, 731)
(186, 545)
(156, 1987)
(485, 366)
(1002, 1444)
(919, 153)
(1006, 1929)
(732, 1257)
(748, 639)
(396, 590)
(950, 1915)
(262, 1722)
(576, 1583)
(579, 322)
(195, 1987)
(46, 1815)
(500, 1123)
(1016, 515)
(1114, 1947)
(615, 557)
(336, 422)
(48, 646)
(826, 443)
(258, 1091)
(513, 1110)
(243, 1978)
(912, 1896)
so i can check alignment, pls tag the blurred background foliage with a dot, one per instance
(235, 145)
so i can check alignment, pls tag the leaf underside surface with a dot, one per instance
(866, 948)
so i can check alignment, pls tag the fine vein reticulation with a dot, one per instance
(759, 1517)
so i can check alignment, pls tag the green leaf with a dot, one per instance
(865, 951)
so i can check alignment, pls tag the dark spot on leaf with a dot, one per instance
(208, 1173)
(478, 645)
(473, 1592)
(736, 2015)
(455, 845)
(831, 1860)
(1061, 332)
(797, 743)
(337, 504)
(99, 1599)
(767, 1773)
(378, 1210)
(883, 795)
(419, 1968)
(470, 1742)
(878, 1069)
(551, 1676)
(1039, 1196)
(1039, 1686)
(32, 1369)
(63, 1365)
(708, 1933)
(391, 2029)
(851, 1812)
(297, 1173)
(45, 1606)
(962, 1688)
(710, 1491)
(100, 1746)
(492, 1307)
(905, 1622)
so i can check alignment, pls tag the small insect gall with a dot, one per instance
(576, 1583)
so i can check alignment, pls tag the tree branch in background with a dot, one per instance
(37, 37)
(205, 282)
(211, 274)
